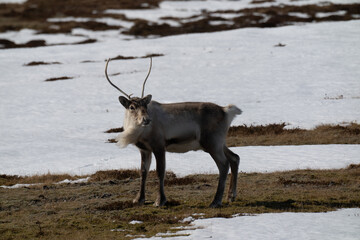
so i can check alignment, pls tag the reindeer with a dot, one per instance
(157, 128)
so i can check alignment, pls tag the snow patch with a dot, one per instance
(62, 127)
(66, 181)
(187, 219)
(135, 222)
(328, 14)
(81, 180)
(19, 185)
(341, 224)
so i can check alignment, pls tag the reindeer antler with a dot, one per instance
(107, 77)
(112, 84)
(143, 88)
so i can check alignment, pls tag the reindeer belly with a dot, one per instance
(183, 142)
(182, 145)
(182, 135)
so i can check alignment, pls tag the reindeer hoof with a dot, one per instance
(231, 199)
(160, 202)
(215, 205)
(139, 201)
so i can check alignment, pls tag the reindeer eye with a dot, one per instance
(132, 108)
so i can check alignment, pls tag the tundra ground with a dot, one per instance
(102, 208)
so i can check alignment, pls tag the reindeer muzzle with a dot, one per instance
(146, 121)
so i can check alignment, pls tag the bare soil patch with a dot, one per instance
(262, 1)
(58, 79)
(262, 17)
(102, 208)
(120, 57)
(4, 43)
(40, 63)
(33, 14)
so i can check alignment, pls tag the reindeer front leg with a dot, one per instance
(160, 168)
(145, 165)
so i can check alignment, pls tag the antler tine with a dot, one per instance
(107, 77)
(143, 88)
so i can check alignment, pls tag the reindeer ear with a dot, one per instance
(146, 100)
(124, 101)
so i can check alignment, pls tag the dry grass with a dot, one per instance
(277, 134)
(49, 178)
(120, 57)
(103, 208)
(58, 79)
(111, 175)
(34, 63)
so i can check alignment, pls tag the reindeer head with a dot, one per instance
(136, 108)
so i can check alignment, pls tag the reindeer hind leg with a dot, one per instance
(234, 161)
(223, 166)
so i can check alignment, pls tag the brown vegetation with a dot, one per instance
(44, 179)
(262, 17)
(278, 134)
(120, 57)
(57, 79)
(102, 208)
(40, 63)
(4, 43)
(33, 14)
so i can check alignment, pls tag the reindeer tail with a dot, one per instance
(231, 112)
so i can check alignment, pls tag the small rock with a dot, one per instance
(106, 195)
